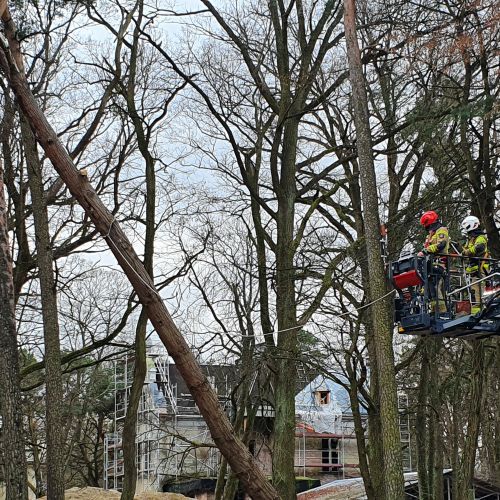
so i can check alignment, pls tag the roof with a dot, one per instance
(348, 489)
(223, 378)
(353, 489)
(339, 397)
(326, 417)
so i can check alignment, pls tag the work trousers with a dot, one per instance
(436, 283)
(477, 292)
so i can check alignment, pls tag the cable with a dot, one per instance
(107, 236)
(347, 313)
(302, 325)
(367, 305)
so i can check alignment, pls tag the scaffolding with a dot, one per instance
(324, 433)
(404, 430)
(335, 452)
(170, 430)
(322, 451)
(173, 440)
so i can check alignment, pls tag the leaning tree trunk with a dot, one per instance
(52, 356)
(239, 458)
(14, 454)
(381, 311)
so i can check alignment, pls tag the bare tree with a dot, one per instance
(381, 312)
(14, 454)
(236, 453)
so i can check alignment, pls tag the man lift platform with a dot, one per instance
(417, 307)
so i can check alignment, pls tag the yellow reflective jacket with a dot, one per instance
(438, 241)
(477, 246)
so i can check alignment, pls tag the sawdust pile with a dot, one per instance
(99, 494)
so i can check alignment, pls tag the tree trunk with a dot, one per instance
(421, 431)
(14, 453)
(381, 311)
(129, 434)
(52, 357)
(240, 459)
(286, 350)
(455, 437)
(17, 197)
(140, 368)
(221, 479)
(495, 461)
(359, 432)
(438, 484)
(376, 450)
(40, 490)
(465, 473)
(374, 446)
(245, 412)
(434, 451)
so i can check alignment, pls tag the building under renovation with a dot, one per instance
(173, 441)
(170, 430)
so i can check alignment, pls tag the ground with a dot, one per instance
(99, 494)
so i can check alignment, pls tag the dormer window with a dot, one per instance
(322, 397)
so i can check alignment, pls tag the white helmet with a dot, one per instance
(470, 223)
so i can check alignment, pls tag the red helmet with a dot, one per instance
(429, 218)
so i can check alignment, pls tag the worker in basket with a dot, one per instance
(476, 246)
(437, 242)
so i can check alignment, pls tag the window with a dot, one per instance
(323, 397)
(329, 454)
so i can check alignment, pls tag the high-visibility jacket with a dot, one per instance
(477, 246)
(438, 241)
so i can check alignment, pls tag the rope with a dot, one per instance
(301, 325)
(347, 313)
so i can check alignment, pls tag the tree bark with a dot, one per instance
(495, 460)
(52, 357)
(434, 451)
(286, 351)
(140, 365)
(421, 431)
(364, 466)
(244, 412)
(14, 454)
(374, 446)
(129, 434)
(239, 458)
(381, 311)
(465, 474)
